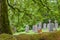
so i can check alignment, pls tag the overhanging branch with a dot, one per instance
(44, 5)
(13, 7)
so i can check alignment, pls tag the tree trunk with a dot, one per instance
(4, 21)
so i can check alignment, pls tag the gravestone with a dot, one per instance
(50, 26)
(14, 29)
(27, 28)
(40, 27)
(44, 26)
(35, 29)
(56, 24)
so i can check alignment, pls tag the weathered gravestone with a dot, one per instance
(56, 24)
(39, 27)
(27, 28)
(50, 26)
(35, 29)
(14, 29)
(44, 26)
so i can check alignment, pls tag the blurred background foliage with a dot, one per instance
(23, 12)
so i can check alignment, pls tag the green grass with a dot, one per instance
(43, 36)
(25, 36)
(31, 32)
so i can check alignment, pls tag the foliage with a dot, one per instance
(23, 12)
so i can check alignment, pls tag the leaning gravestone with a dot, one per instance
(56, 25)
(35, 28)
(27, 28)
(44, 26)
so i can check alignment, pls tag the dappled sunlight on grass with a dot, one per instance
(31, 32)
(42, 36)
(32, 36)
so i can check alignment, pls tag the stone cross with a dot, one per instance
(27, 28)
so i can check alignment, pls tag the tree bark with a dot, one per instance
(4, 21)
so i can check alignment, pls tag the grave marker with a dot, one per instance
(35, 28)
(56, 25)
(39, 27)
(50, 26)
(27, 28)
(14, 29)
(44, 26)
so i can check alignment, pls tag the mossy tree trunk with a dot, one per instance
(4, 21)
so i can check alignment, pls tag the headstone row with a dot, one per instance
(38, 28)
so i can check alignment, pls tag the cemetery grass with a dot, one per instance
(41, 36)
(31, 32)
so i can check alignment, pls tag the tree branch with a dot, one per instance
(44, 5)
(13, 7)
